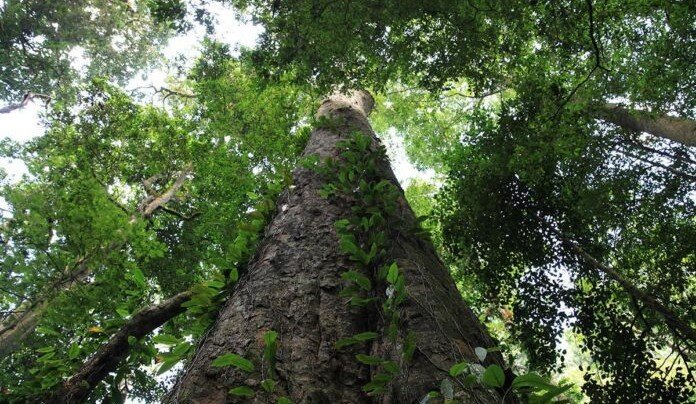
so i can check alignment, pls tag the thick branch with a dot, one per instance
(677, 129)
(151, 205)
(106, 359)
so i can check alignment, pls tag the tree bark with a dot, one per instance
(107, 358)
(292, 287)
(676, 129)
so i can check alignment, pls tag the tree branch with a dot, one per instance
(652, 303)
(151, 205)
(680, 130)
(78, 387)
(27, 98)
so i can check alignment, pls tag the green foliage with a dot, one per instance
(493, 376)
(356, 339)
(502, 98)
(40, 38)
(242, 391)
(520, 179)
(90, 178)
(233, 360)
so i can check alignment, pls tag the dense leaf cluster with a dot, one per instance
(136, 203)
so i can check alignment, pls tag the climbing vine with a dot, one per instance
(355, 178)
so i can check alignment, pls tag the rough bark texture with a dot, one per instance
(667, 127)
(292, 287)
(107, 358)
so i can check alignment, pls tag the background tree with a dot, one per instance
(49, 48)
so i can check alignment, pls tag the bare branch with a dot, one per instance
(28, 97)
(152, 204)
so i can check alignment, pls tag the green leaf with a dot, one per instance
(47, 331)
(458, 369)
(493, 376)
(368, 360)
(268, 385)
(391, 367)
(234, 275)
(181, 349)
(551, 394)
(123, 312)
(138, 277)
(393, 273)
(376, 385)
(284, 400)
(46, 349)
(360, 301)
(269, 337)
(365, 336)
(74, 351)
(242, 391)
(470, 380)
(233, 360)
(357, 338)
(344, 342)
(165, 339)
(409, 346)
(532, 380)
(360, 279)
(168, 364)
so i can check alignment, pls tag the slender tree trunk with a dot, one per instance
(293, 285)
(676, 129)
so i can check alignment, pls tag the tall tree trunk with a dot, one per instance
(676, 129)
(293, 286)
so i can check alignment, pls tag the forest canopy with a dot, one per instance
(554, 143)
